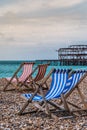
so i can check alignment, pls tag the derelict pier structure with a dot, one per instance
(73, 55)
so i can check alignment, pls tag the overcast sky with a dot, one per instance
(35, 29)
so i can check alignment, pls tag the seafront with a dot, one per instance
(51, 32)
(11, 102)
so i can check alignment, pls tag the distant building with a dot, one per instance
(73, 55)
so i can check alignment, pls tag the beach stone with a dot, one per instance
(30, 121)
(11, 102)
(7, 129)
(61, 127)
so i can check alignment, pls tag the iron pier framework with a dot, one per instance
(73, 55)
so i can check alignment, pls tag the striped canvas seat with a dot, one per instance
(58, 83)
(62, 84)
(26, 79)
(73, 80)
(27, 69)
(41, 71)
(73, 83)
(59, 79)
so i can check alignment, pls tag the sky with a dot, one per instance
(35, 29)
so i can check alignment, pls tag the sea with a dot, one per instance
(7, 68)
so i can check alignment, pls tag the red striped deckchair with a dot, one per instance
(15, 80)
(29, 81)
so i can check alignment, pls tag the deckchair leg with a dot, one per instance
(73, 105)
(29, 101)
(65, 103)
(5, 87)
(43, 107)
(82, 97)
(9, 82)
(15, 87)
(23, 108)
(55, 105)
(47, 109)
(45, 102)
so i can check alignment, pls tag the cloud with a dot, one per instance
(63, 3)
(20, 11)
(32, 6)
(37, 26)
(32, 11)
(43, 31)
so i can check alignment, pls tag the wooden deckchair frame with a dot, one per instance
(37, 78)
(46, 102)
(65, 102)
(63, 99)
(15, 76)
(65, 96)
(38, 87)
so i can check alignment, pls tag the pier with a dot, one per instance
(73, 55)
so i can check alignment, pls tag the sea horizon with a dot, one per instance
(8, 67)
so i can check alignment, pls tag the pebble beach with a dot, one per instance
(11, 102)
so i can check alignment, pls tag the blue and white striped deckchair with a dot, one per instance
(59, 79)
(72, 83)
(73, 80)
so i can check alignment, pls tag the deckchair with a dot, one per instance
(72, 84)
(29, 80)
(61, 87)
(58, 83)
(26, 68)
